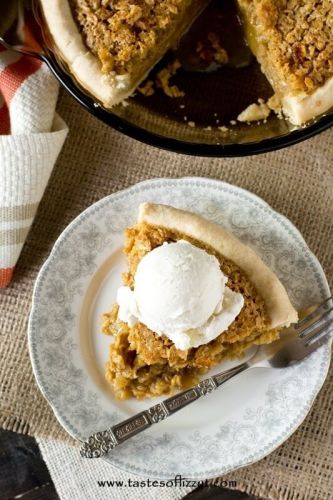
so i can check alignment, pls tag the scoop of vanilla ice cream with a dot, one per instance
(180, 291)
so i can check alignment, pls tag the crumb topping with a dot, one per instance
(147, 88)
(298, 40)
(255, 112)
(163, 80)
(120, 32)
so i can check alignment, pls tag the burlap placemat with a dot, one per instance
(97, 161)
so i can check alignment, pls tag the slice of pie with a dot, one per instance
(111, 45)
(293, 42)
(147, 361)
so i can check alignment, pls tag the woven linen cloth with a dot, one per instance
(97, 161)
(31, 136)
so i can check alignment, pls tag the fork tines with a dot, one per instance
(315, 329)
(310, 320)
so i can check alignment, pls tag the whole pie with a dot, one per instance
(111, 45)
(146, 363)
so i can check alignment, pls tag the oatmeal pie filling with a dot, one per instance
(121, 33)
(297, 34)
(296, 41)
(142, 363)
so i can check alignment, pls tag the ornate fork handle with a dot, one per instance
(101, 443)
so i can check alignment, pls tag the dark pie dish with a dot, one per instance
(202, 122)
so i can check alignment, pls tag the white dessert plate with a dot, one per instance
(237, 425)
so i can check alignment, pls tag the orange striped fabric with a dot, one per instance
(28, 148)
(11, 78)
(6, 276)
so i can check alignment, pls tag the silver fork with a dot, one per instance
(296, 343)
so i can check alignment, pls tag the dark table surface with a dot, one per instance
(24, 475)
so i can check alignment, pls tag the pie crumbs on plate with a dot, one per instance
(145, 363)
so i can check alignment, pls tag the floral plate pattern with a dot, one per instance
(242, 422)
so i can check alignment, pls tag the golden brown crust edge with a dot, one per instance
(279, 307)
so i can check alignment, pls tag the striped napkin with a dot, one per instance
(31, 137)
